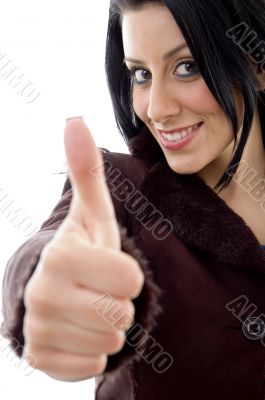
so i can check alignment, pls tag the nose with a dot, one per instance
(162, 102)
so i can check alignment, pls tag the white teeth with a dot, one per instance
(174, 137)
(184, 134)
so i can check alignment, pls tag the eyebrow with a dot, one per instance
(165, 56)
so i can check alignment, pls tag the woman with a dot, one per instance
(189, 208)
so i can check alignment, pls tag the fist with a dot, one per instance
(66, 334)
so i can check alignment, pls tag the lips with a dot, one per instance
(178, 141)
(180, 129)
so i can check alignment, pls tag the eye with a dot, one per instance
(192, 69)
(140, 75)
(137, 73)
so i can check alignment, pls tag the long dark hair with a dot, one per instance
(222, 62)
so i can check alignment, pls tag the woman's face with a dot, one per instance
(169, 93)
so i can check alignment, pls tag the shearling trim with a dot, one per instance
(147, 307)
(202, 219)
(144, 146)
(116, 385)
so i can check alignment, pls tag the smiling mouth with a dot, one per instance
(178, 135)
(179, 130)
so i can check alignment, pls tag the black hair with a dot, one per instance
(221, 61)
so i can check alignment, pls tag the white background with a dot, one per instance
(60, 46)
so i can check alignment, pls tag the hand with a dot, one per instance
(65, 336)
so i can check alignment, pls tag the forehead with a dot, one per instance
(148, 28)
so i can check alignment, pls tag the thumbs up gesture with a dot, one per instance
(65, 336)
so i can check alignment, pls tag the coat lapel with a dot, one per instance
(200, 218)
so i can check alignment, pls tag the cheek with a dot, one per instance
(203, 100)
(197, 99)
(140, 104)
(205, 104)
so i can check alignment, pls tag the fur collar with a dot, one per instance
(200, 217)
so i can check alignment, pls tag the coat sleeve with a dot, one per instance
(23, 262)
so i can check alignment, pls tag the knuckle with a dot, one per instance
(135, 277)
(99, 365)
(116, 342)
(59, 250)
(32, 296)
(51, 255)
(126, 316)
(43, 363)
(31, 330)
(60, 255)
(35, 299)
(130, 308)
(28, 297)
(120, 313)
(25, 329)
(137, 281)
(40, 333)
(33, 352)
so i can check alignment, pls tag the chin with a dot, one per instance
(183, 169)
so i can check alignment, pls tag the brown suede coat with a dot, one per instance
(198, 256)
